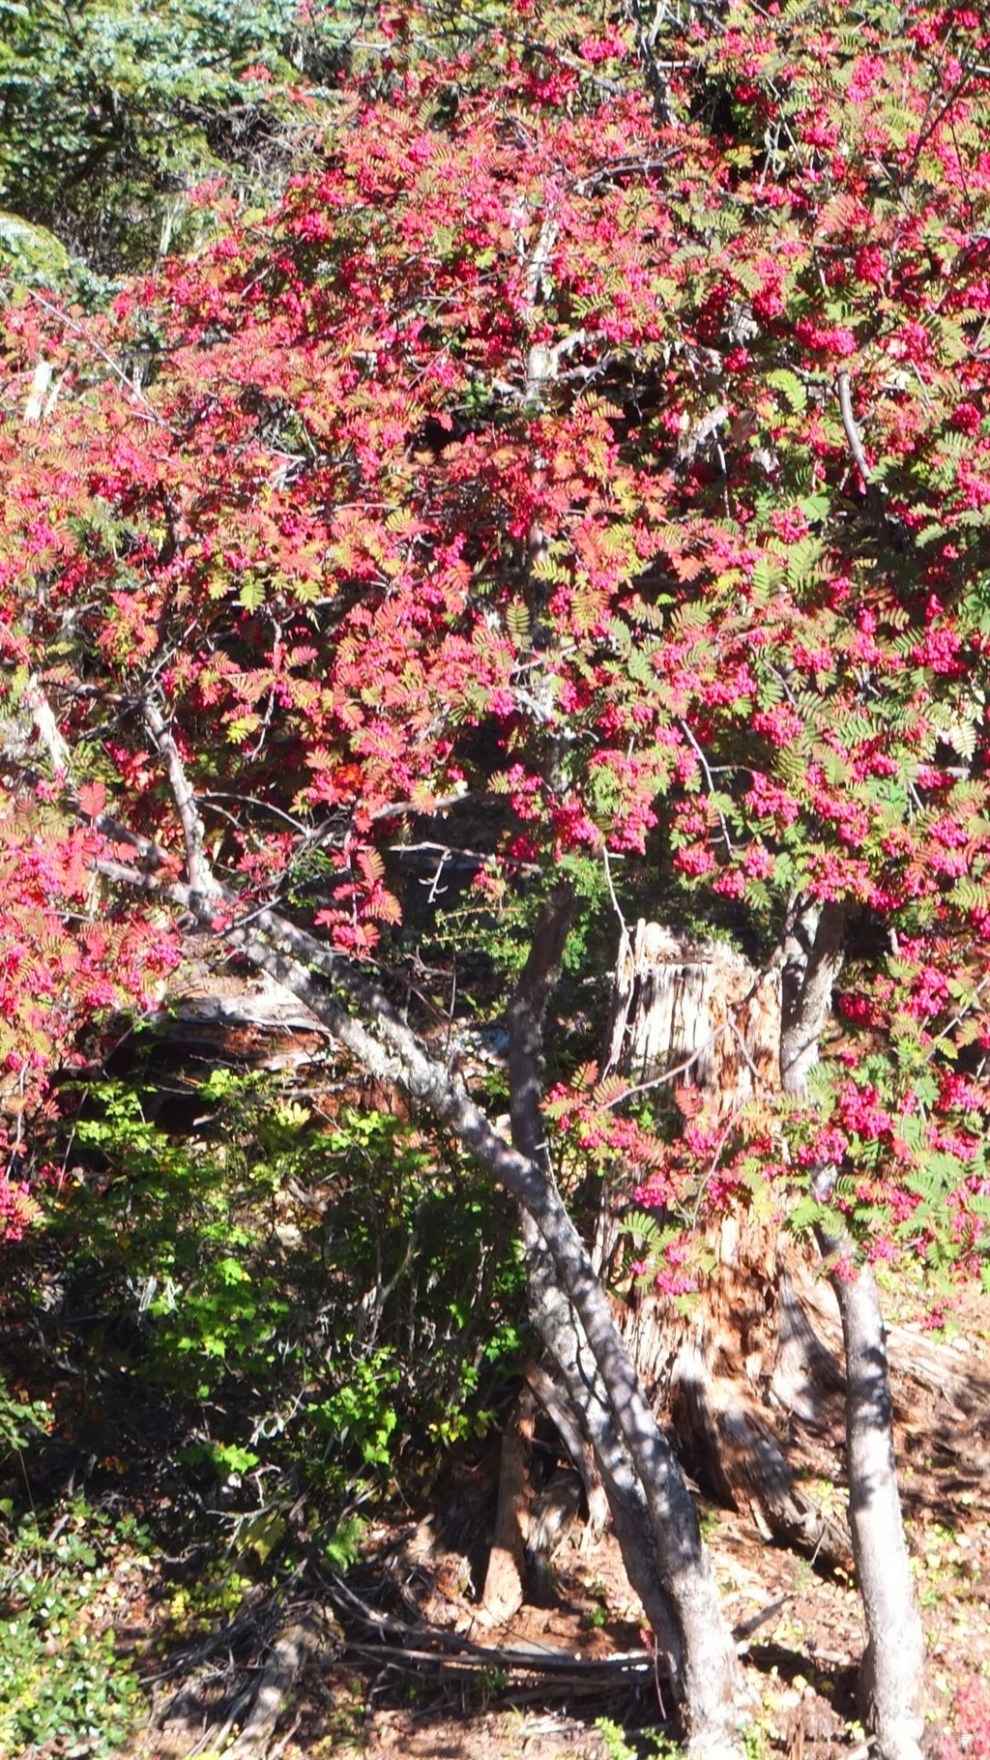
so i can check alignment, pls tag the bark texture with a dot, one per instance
(729, 1383)
(700, 1006)
(654, 1517)
(703, 1011)
(892, 1678)
(504, 1589)
(366, 1024)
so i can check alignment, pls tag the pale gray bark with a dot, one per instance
(892, 1679)
(560, 1333)
(813, 949)
(392, 1053)
(681, 1603)
(354, 1007)
(893, 1674)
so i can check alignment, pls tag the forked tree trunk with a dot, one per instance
(353, 1006)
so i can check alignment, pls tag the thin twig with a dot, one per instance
(108, 360)
(710, 780)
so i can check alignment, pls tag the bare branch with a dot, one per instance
(116, 369)
(201, 877)
(647, 32)
(851, 430)
(874, 494)
(525, 1016)
(335, 988)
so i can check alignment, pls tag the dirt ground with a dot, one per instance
(402, 1663)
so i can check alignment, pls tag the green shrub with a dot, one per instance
(63, 1687)
(317, 1307)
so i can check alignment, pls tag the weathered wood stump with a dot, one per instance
(747, 1363)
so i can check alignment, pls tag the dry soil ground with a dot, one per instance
(397, 1661)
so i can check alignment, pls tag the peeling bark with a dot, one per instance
(699, 1007)
(720, 1409)
(703, 1011)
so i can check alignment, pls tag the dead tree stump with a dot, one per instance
(698, 1005)
(726, 1372)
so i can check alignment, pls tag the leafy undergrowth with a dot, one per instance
(212, 1341)
(65, 1687)
(90, 1603)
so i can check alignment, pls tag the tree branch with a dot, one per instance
(343, 995)
(201, 877)
(646, 39)
(525, 1015)
(874, 494)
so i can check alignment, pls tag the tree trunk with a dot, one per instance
(351, 1003)
(561, 1335)
(504, 1589)
(892, 1678)
(702, 1012)
(654, 1517)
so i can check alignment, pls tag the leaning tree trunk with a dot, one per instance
(748, 1359)
(351, 1003)
(367, 1025)
(654, 1518)
(893, 1671)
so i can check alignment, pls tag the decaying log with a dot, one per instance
(551, 1514)
(558, 1408)
(729, 1394)
(273, 1693)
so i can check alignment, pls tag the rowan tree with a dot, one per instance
(582, 476)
